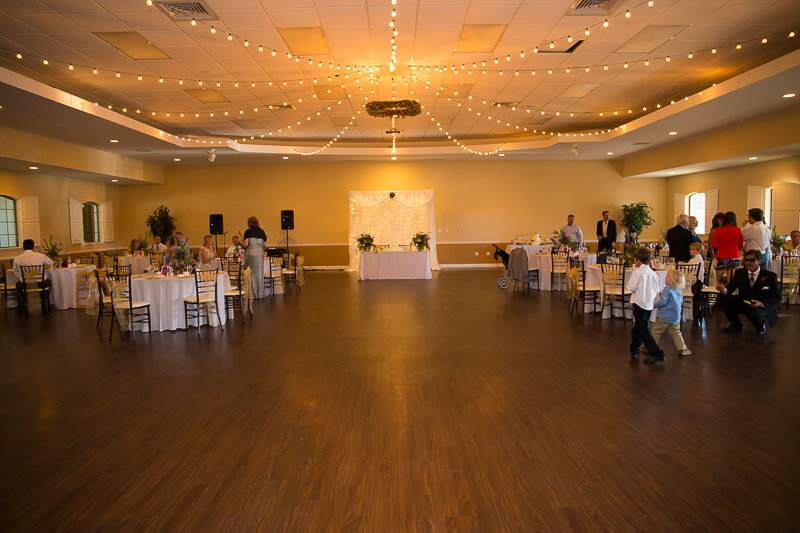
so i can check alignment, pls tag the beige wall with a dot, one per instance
(476, 201)
(53, 193)
(732, 182)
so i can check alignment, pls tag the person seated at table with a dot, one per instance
(236, 249)
(696, 257)
(758, 295)
(29, 258)
(208, 252)
(573, 232)
(158, 247)
(793, 245)
(631, 237)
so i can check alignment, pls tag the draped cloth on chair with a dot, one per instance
(391, 221)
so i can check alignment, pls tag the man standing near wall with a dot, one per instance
(606, 234)
(679, 238)
(573, 231)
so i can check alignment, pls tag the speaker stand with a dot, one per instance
(284, 239)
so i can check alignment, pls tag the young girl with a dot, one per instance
(669, 311)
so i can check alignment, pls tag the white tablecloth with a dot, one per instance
(165, 296)
(138, 264)
(394, 265)
(64, 284)
(544, 263)
(530, 248)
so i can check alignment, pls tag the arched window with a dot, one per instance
(697, 209)
(91, 222)
(8, 222)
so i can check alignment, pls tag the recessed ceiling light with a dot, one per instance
(789, 95)
(177, 159)
(114, 140)
(114, 181)
(34, 168)
(753, 158)
(672, 172)
(394, 158)
(609, 153)
(673, 133)
(286, 157)
(502, 155)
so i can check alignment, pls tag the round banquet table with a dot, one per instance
(165, 296)
(544, 263)
(138, 264)
(63, 285)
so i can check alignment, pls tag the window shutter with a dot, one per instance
(75, 221)
(712, 206)
(680, 207)
(786, 206)
(756, 197)
(29, 218)
(106, 214)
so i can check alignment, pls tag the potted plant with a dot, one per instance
(636, 217)
(161, 223)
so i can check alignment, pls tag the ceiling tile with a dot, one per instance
(490, 14)
(74, 6)
(95, 23)
(50, 23)
(344, 16)
(293, 18)
(25, 7)
(244, 19)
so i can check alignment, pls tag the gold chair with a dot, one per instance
(34, 284)
(8, 289)
(205, 297)
(238, 295)
(559, 262)
(790, 276)
(614, 289)
(122, 302)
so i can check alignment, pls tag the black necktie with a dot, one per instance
(752, 278)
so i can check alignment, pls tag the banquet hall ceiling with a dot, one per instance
(298, 72)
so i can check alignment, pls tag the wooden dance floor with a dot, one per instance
(432, 405)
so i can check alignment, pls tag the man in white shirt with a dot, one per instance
(236, 249)
(29, 258)
(573, 231)
(158, 247)
(756, 235)
(643, 285)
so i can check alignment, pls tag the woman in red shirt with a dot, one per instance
(728, 242)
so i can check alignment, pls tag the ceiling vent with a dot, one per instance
(592, 7)
(186, 10)
(284, 105)
(505, 105)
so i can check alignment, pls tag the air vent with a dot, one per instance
(642, 143)
(186, 10)
(506, 105)
(282, 105)
(592, 7)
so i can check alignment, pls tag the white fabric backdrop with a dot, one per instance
(392, 221)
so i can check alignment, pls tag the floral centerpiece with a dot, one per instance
(421, 241)
(52, 249)
(180, 261)
(139, 244)
(776, 241)
(366, 242)
(629, 250)
(560, 240)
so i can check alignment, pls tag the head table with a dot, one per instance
(63, 285)
(394, 265)
(165, 296)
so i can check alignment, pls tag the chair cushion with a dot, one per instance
(232, 292)
(131, 305)
(208, 298)
(617, 291)
(589, 288)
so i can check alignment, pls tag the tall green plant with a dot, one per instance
(636, 217)
(161, 223)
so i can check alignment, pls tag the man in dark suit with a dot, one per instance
(606, 234)
(758, 298)
(679, 239)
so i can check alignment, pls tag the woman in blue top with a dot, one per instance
(668, 308)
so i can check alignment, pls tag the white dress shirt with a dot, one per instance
(699, 259)
(30, 258)
(643, 285)
(574, 233)
(159, 248)
(605, 229)
(756, 237)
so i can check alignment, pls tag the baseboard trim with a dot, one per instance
(472, 265)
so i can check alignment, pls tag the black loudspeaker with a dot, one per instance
(215, 224)
(287, 219)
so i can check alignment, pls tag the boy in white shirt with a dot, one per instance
(696, 257)
(643, 285)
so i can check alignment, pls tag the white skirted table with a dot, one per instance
(594, 277)
(530, 248)
(138, 264)
(165, 296)
(544, 263)
(63, 285)
(394, 265)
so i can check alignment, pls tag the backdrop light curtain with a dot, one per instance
(392, 221)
